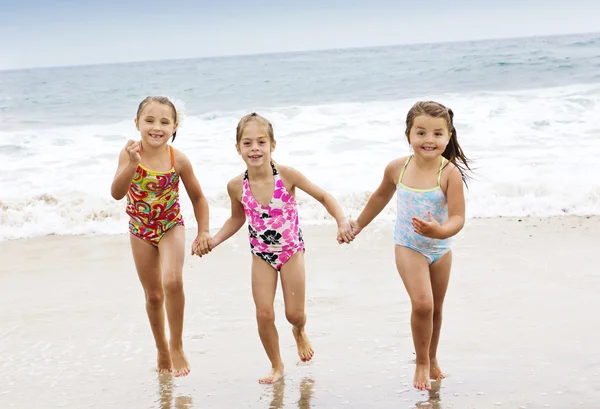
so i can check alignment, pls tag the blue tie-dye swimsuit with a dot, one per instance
(417, 203)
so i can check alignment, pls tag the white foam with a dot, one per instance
(535, 154)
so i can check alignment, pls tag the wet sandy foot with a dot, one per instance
(181, 367)
(275, 375)
(434, 370)
(305, 350)
(164, 361)
(421, 381)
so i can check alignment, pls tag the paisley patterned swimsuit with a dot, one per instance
(273, 230)
(153, 203)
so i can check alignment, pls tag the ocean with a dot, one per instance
(526, 113)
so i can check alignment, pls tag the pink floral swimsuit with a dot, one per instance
(273, 230)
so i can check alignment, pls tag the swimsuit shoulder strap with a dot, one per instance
(403, 169)
(444, 160)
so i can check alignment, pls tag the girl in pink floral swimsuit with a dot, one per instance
(273, 230)
(264, 196)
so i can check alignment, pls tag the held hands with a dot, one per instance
(345, 234)
(202, 245)
(133, 149)
(431, 228)
(349, 229)
(356, 228)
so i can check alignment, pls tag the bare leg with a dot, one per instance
(414, 271)
(440, 275)
(147, 264)
(293, 285)
(172, 254)
(264, 284)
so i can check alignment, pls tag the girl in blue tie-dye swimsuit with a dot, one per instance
(431, 209)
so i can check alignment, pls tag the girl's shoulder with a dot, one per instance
(235, 186)
(180, 160)
(282, 169)
(448, 170)
(393, 169)
(400, 162)
(289, 175)
(448, 166)
(178, 155)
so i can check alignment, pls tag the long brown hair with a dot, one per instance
(453, 151)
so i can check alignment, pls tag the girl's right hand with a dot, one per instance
(133, 149)
(356, 228)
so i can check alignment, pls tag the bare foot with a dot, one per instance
(275, 375)
(181, 367)
(421, 381)
(164, 361)
(305, 350)
(434, 370)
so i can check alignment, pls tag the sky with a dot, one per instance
(40, 33)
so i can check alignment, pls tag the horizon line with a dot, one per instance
(313, 50)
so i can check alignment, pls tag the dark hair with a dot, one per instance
(254, 117)
(160, 100)
(453, 151)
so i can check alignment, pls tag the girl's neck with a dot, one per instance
(427, 164)
(263, 172)
(151, 151)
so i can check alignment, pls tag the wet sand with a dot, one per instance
(520, 325)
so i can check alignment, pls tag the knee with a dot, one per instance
(173, 284)
(296, 318)
(155, 298)
(265, 316)
(423, 306)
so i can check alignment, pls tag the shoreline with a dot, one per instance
(377, 224)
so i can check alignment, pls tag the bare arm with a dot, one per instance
(327, 200)
(194, 191)
(380, 198)
(129, 158)
(344, 234)
(456, 205)
(237, 218)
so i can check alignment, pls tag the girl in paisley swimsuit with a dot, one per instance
(431, 209)
(148, 174)
(264, 195)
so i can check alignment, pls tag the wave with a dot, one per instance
(535, 153)
(78, 214)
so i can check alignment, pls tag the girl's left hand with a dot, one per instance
(345, 234)
(431, 228)
(202, 244)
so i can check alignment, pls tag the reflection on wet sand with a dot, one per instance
(165, 388)
(306, 391)
(434, 400)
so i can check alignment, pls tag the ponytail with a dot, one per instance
(454, 152)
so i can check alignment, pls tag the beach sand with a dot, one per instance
(520, 324)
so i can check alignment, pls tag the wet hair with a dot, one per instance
(163, 101)
(453, 151)
(254, 117)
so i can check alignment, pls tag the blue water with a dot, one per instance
(95, 94)
(526, 111)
